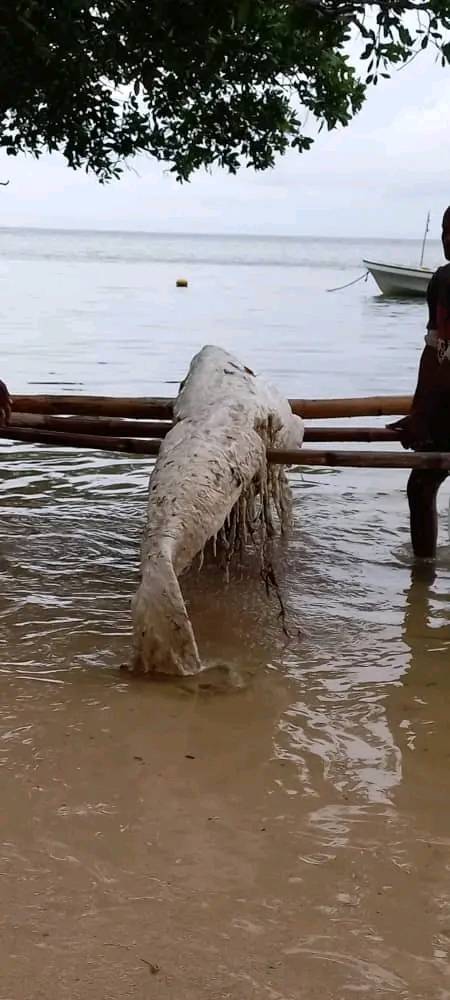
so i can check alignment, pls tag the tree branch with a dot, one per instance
(344, 7)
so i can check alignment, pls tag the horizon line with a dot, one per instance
(213, 235)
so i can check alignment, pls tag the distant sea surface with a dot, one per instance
(101, 310)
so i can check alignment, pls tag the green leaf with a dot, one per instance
(192, 83)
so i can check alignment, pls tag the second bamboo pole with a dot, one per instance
(303, 457)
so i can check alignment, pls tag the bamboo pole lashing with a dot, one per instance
(162, 408)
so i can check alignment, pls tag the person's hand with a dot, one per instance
(413, 431)
(5, 405)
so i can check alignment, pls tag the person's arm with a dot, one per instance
(5, 404)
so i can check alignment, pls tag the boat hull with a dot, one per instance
(393, 279)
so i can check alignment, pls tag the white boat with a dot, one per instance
(395, 279)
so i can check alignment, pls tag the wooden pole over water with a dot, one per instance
(303, 457)
(369, 434)
(363, 406)
(162, 408)
(105, 426)
(121, 427)
(97, 406)
(362, 459)
(98, 442)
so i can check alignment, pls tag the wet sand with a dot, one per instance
(161, 843)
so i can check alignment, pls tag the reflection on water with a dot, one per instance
(277, 827)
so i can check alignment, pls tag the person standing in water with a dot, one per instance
(427, 426)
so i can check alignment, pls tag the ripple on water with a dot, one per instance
(302, 813)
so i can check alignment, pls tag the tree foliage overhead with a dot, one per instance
(195, 82)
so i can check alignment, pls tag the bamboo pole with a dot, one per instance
(162, 408)
(315, 434)
(303, 457)
(105, 426)
(362, 459)
(363, 406)
(120, 427)
(97, 442)
(99, 406)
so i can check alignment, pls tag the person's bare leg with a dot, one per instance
(423, 485)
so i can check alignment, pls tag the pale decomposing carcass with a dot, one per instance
(211, 483)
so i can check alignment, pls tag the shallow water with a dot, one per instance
(278, 828)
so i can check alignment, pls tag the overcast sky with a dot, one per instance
(378, 177)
